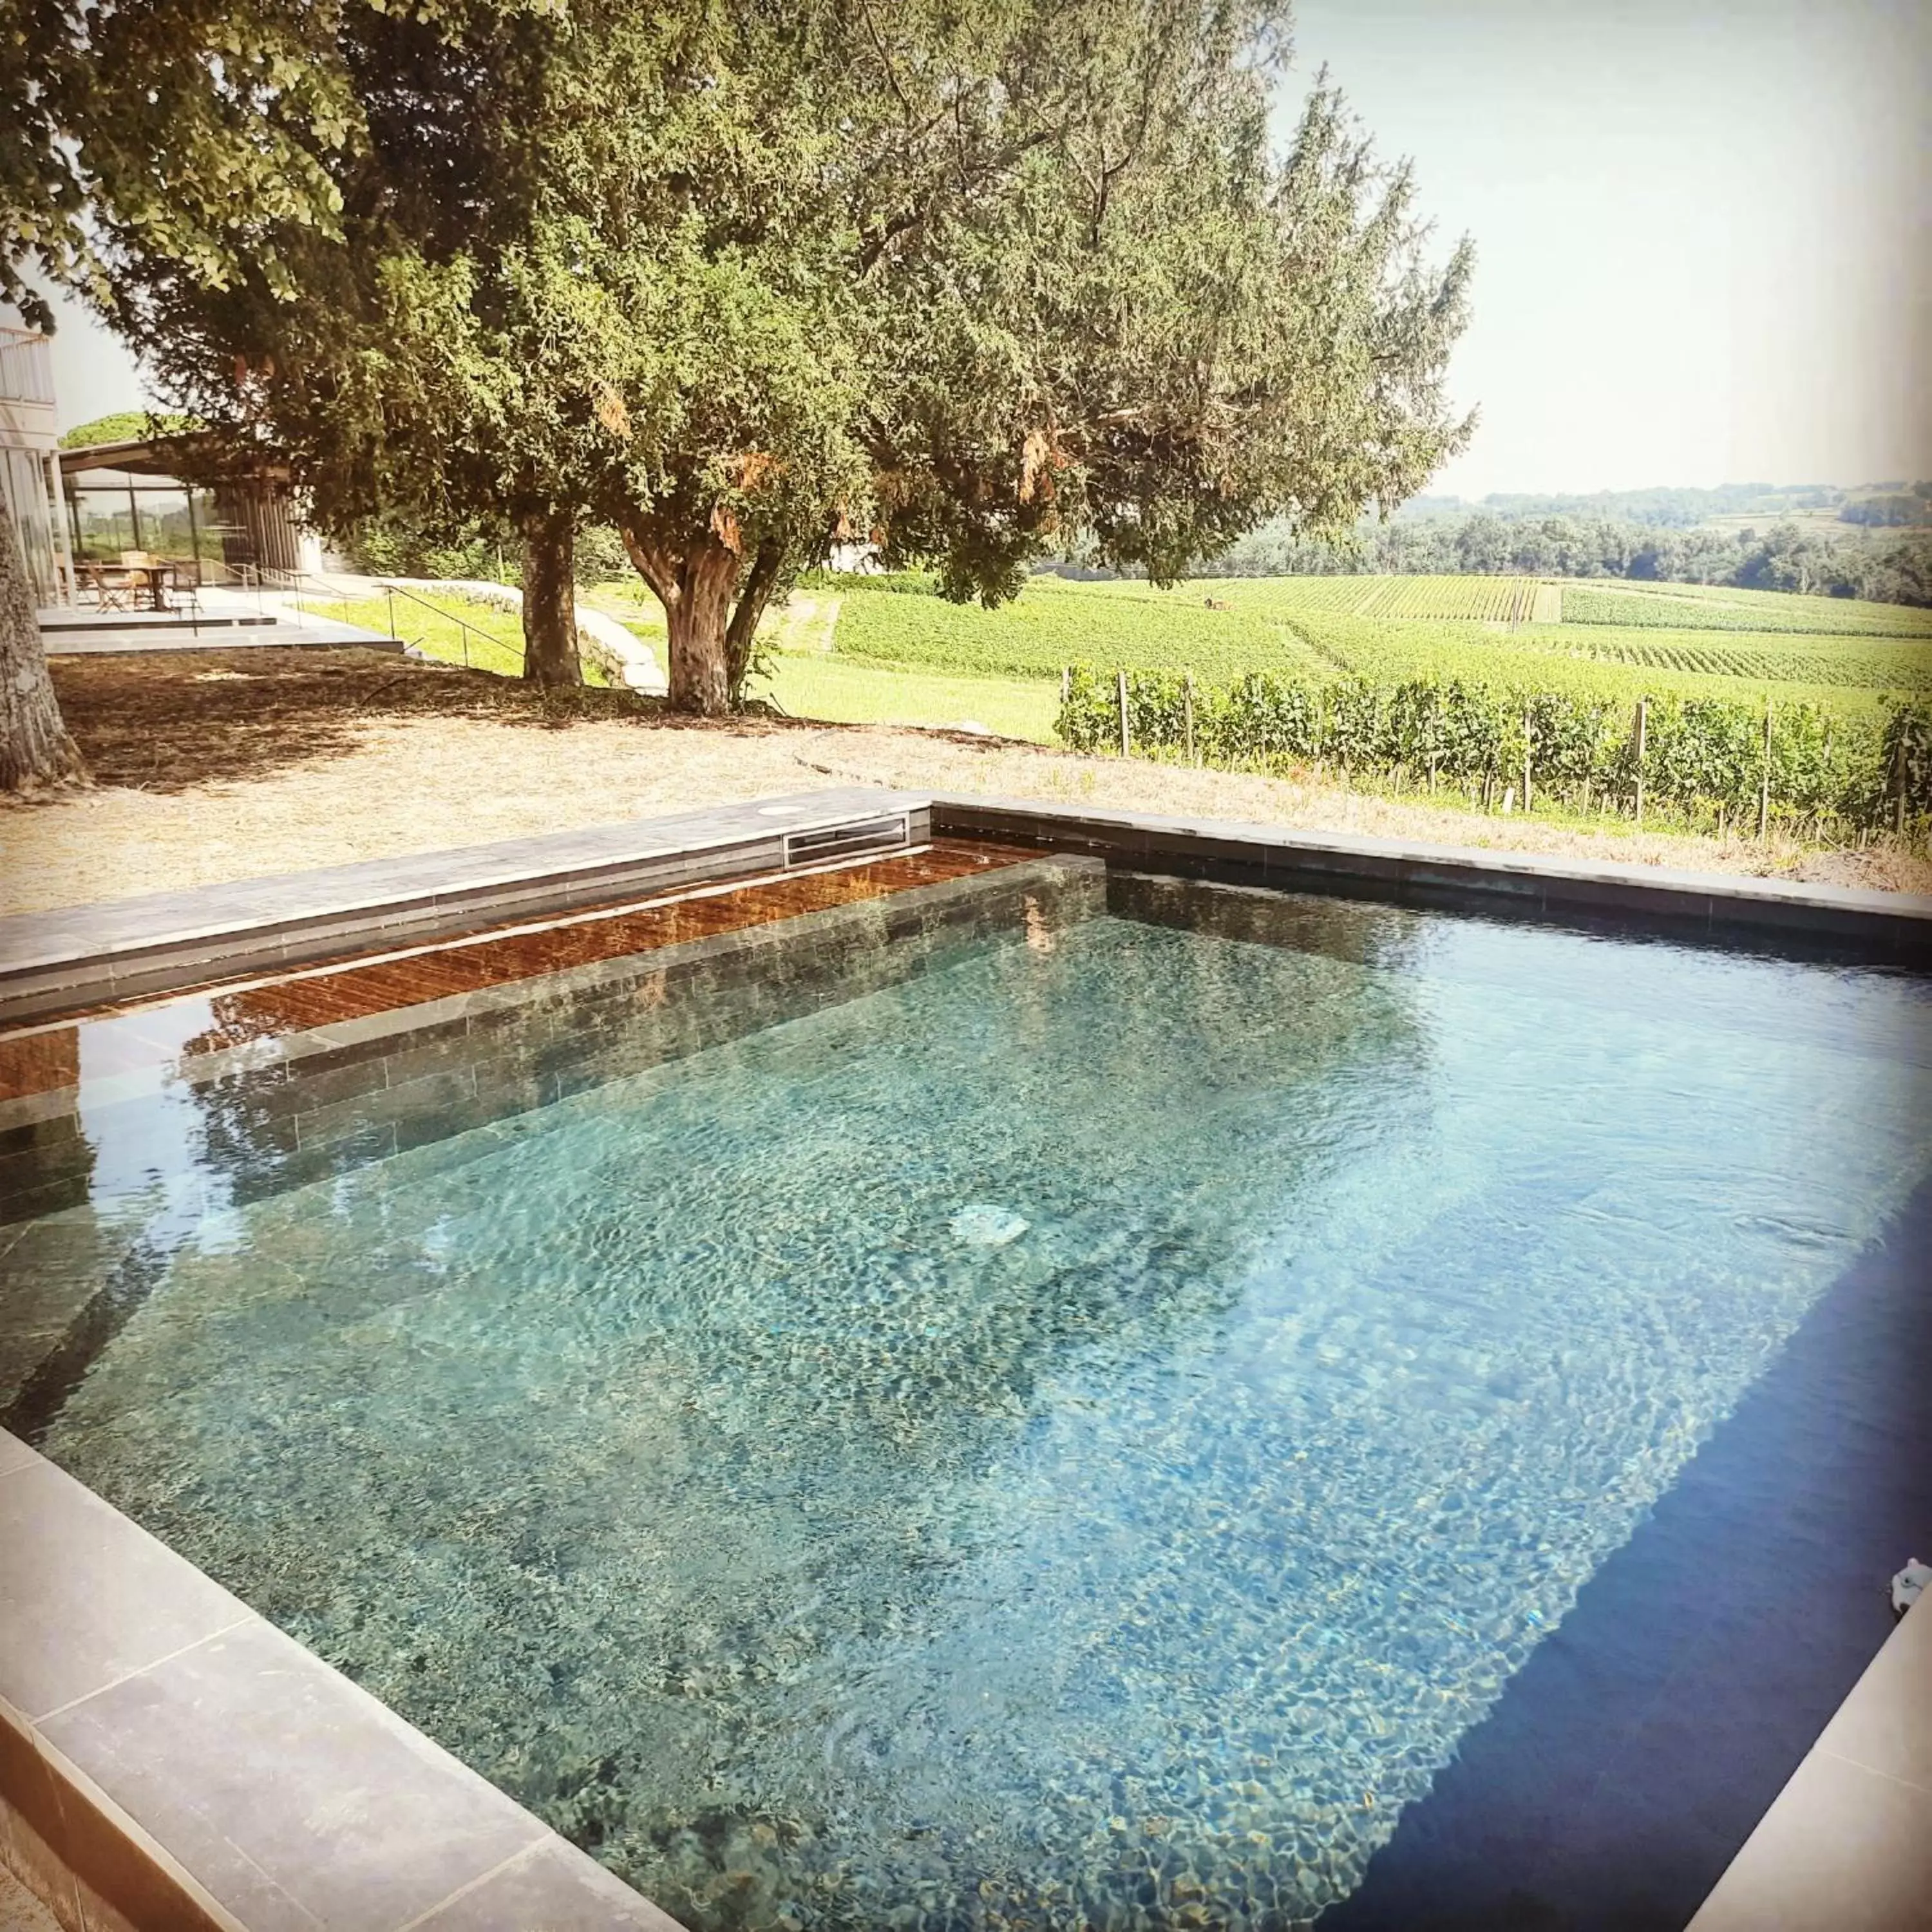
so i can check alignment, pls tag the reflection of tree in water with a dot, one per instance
(604, 1457)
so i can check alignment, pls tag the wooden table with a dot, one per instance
(151, 574)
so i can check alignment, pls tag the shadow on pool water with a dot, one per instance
(1630, 1756)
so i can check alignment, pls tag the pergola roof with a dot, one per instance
(194, 454)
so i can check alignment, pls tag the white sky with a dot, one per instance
(1702, 229)
(1703, 232)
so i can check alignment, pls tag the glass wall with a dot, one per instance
(112, 513)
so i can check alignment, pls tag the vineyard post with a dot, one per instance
(1898, 761)
(1066, 685)
(1643, 728)
(1187, 713)
(1120, 685)
(1527, 742)
(1764, 781)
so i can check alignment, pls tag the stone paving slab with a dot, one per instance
(1847, 1845)
(243, 634)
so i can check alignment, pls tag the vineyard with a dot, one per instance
(1708, 763)
(1672, 610)
(1582, 651)
(1052, 623)
(1495, 600)
(1871, 665)
(1595, 661)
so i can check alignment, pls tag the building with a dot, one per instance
(217, 519)
(30, 473)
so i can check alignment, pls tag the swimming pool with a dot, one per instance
(1064, 1397)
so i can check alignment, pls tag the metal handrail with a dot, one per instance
(393, 591)
(298, 579)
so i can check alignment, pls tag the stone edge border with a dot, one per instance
(1848, 1841)
(155, 1734)
(1894, 926)
(58, 961)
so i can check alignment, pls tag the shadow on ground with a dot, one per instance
(170, 721)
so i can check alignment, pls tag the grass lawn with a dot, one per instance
(843, 691)
(485, 639)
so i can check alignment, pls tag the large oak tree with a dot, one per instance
(745, 277)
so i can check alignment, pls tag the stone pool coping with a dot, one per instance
(168, 1758)
(56, 962)
(1847, 1844)
(61, 961)
(1890, 926)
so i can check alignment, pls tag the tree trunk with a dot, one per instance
(36, 754)
(549, 602)
(741, 634)
(694, 584)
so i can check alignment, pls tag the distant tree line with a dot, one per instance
(1785, 557)
(1890, 509)
(1889, 504)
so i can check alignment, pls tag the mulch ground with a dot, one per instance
(168, 721)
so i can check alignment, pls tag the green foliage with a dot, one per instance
(1309, 627)
(1849, 663)
(1599, 662)
(599, 555)
(389, 547)
(1489, 599)
(744, 281)
(1052, 623)
(201, 133)
(1222, 630)
(1428, 538)
(127, 426)
(896, 582)
(1703, 757)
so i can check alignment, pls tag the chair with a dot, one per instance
(112, 592)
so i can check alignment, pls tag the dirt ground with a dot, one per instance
(215, 765)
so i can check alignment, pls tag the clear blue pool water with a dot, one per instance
(1076, 1438)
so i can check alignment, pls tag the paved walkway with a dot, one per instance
(218, 620)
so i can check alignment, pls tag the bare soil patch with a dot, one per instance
(217, 766)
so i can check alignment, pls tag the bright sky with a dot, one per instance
(1703, 228)
(1703, 232)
